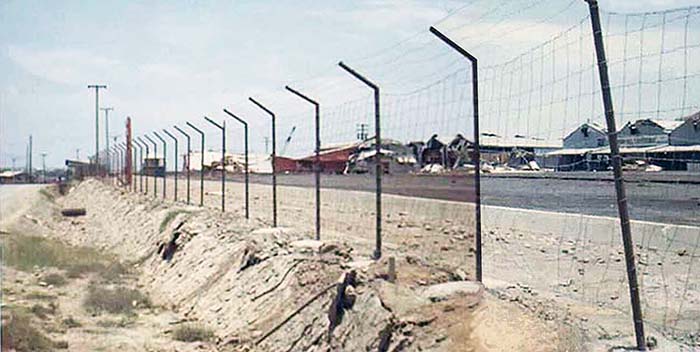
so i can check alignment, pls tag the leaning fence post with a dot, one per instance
(617, 171)
(201, 166)
(378, 157)
(274, 162)
(189, 152)
(477, 147)
(317, 160)
(222, 127)
(245, 130)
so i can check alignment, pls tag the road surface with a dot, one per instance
(676, 203)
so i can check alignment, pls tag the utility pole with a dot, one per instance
(97, 124)
(13, 163)
(30, 158)
(362, 131)
(77, 154)
(267, 144)
(43, 167)
(107, 110)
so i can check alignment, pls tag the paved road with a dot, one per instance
(677, 203)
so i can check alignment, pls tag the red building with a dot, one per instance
(332, 160)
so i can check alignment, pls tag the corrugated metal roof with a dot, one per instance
(499, 142)
(668, 125)
(570, 151)
(10, 173)
(678, 148)
(633, 150)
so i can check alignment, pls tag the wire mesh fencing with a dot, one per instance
(550, 217)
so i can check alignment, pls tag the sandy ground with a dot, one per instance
(262, 289)
(559, 276)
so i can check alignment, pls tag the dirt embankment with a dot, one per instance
(262, 289)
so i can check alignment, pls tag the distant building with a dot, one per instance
(688, 133)
(647, 132)
(10, 176)
(588, 135)
(333, 159)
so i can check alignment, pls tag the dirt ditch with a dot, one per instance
(171, 277)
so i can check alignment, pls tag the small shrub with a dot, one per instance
(40, 296)
(61, 345)
(123, 322)
(19, 334)
(42, 312)
(114, 272)
(119, 300)
(26, 252)
(50, 196)
(192, 333)
(71, 323)
(54, 279)
(169, 217)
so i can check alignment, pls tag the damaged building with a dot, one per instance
(645, 145)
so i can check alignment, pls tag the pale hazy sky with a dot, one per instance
(169, 61)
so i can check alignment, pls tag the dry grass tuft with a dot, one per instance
(50, 196)
(43, 312)
(118, 300)
(71, 323)
(40, 296)
(19, 334)
(122, 322)
(169, 217)
(193, 333)
(26, 252)
(54, 279)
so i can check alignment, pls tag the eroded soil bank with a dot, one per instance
(239, 285)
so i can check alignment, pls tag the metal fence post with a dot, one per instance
(222, 127)
(145, 144)
(189, 152)
(140, 169)
(477, 146)
(317, 160)
(201, 166)
(378, 157)
(176, 156)
(274, 162)
(133, 167)
(120, 165)
(245, 130)
(112, 164)
(155, 156)
(165, 160)
(617, 171)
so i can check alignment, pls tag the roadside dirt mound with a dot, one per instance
(271, 289)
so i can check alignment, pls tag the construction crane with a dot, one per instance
(289, 139)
